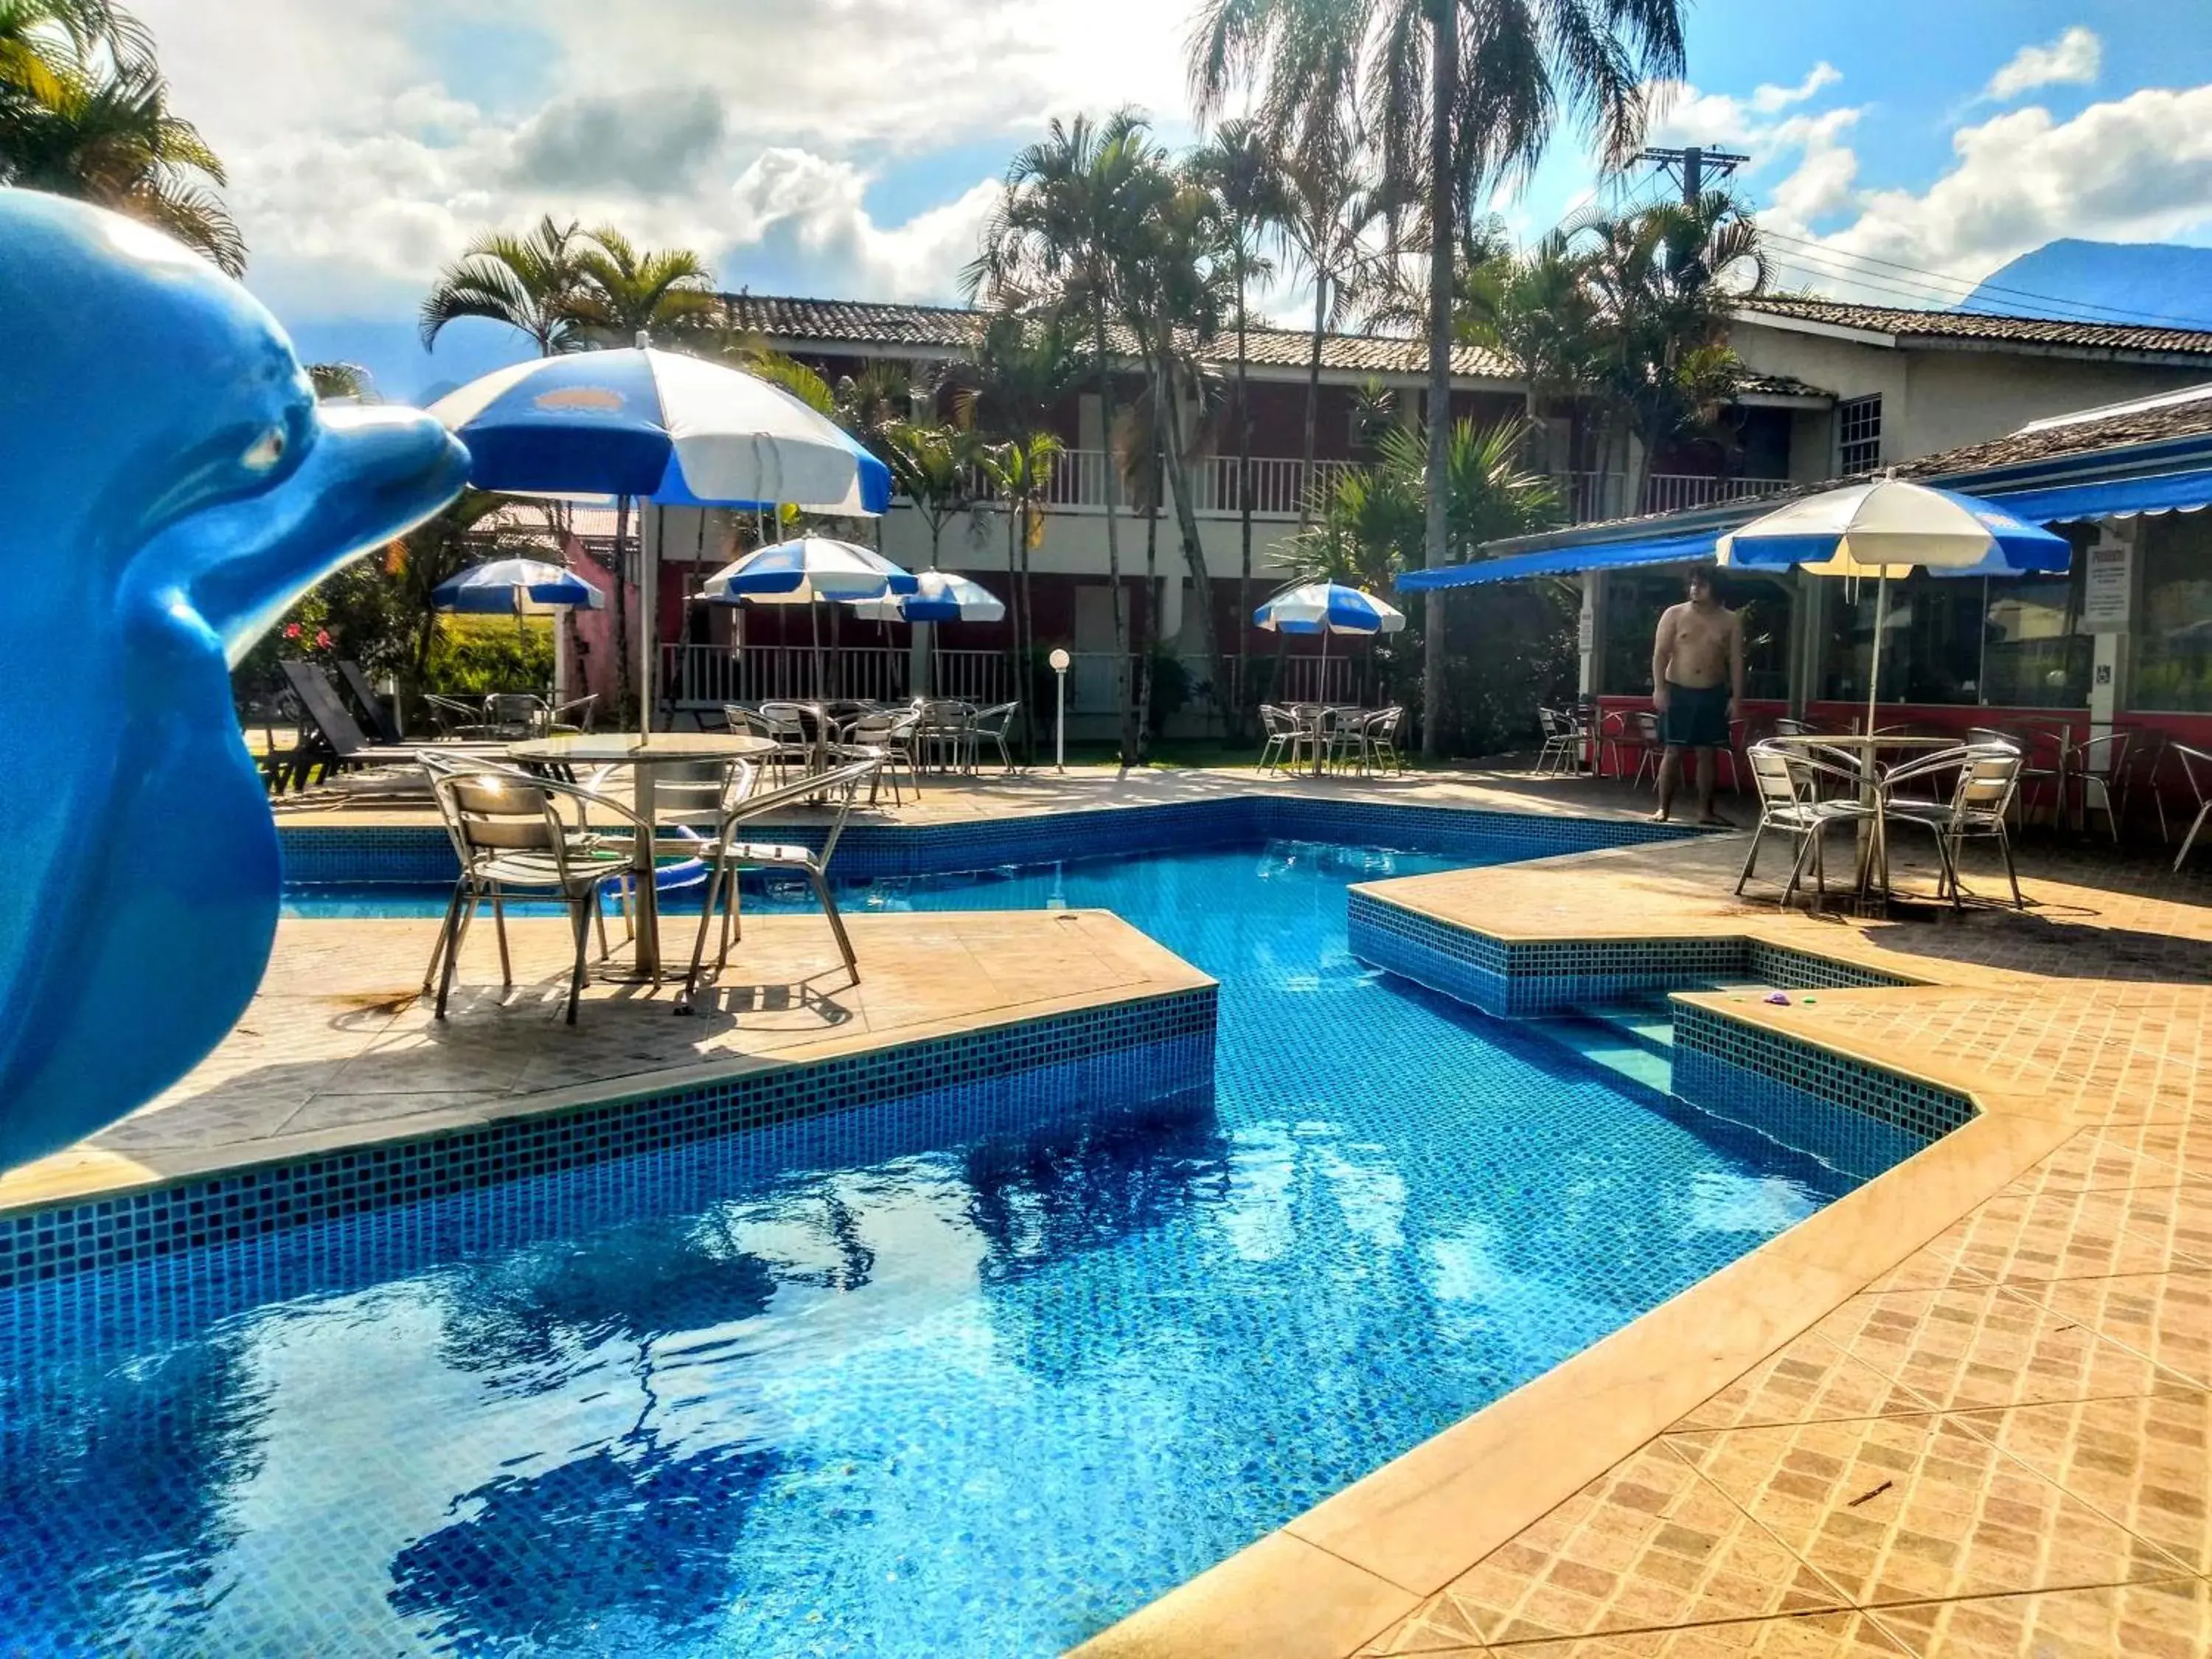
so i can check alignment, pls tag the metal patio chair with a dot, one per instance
(1637, 730)
(793, 746)
(1280, 729)
(989, 726)
(729, 852)
(2196, 770)
(893, 734)
(1980, 802)
(1562, 741)
(1379, 735)
(510, 836)
(1789, 784)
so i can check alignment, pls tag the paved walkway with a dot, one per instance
(1967, 1410)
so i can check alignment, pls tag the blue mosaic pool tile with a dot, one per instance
(1924, 1111)
(1846, 1140)
(1153, 1048)
(1801, 970)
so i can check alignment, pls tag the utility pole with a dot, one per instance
(1694, 167)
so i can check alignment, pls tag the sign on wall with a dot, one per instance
(2106, 584)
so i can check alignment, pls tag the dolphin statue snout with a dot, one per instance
(178, 489)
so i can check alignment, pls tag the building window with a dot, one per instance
(1969, 641)
(1636, 599)
(2171, 632)
(1858, 433)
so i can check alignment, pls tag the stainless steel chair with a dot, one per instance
(730, 853)
(1280, 729)
(510, 836)
(1788, 783)
(1380, 736)
(893, 734)
(1979, 803)
(989, 726)
(1561, 741)
(2196, 770)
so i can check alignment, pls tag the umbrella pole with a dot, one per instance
(648, 602)
(814, 622)
(1873, 663)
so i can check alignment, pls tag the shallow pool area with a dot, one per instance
(849, 1386)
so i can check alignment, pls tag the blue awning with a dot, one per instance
(2111, 498)
(1679, 549)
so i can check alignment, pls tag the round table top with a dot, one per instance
(629, 749)
(1862, 740)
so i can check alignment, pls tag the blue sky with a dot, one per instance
(851, 150)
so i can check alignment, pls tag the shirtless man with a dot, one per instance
(1697, 681)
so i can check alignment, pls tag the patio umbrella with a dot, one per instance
(665, 428)
(1888, 528)
(520, 588)
(1326, 608)
(808, 570)
(941, 597)
(517, 588)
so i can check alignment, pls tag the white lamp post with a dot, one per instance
(1060, 661)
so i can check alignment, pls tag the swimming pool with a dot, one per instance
(837, 1388)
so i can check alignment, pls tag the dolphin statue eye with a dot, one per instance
(265, 450)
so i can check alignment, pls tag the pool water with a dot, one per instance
(837, 1390)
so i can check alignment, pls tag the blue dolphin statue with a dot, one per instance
(172, 488)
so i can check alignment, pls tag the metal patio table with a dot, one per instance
(642, 754)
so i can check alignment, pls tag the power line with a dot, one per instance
(1816, 264)
(1986, 287)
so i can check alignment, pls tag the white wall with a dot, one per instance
(1939, 400)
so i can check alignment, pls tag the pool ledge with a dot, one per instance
(1414, 1556)
(351, 1096)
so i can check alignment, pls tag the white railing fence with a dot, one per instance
(1670, 492)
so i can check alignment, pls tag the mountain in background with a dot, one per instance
(2156, 283)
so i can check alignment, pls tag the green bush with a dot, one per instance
(472, 656)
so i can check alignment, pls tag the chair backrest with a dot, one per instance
(1382, 724)
(489, 814)
(513, 708)
(785, 721)
(948, 711)
(881, 730)
(1988, 774)
(2107, 755)
(1645, 724)
(2195, 768)
(1779, 782)
(996, 717)
(840, 783)
(1276, 719)
(1788, 728)
(320, 706)
(366, 703)
(1550, 722)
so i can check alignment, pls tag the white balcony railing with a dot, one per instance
(1670, 492)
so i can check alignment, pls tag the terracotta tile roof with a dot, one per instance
(2154, 421)
(827, 324)
(1980, 328)
(1781, 386)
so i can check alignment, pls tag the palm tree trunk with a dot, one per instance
(1240, 713)
(1443, 65)
(1152, 637)
(1193, 550)
(1015, 526)
(1313, 398)
(1124, 709)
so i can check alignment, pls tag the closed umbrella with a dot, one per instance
(1885, 528)
(665, 428)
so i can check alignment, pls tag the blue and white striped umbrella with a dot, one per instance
(515, 588)
(1886, 526)
(805, 570)
(1328, 608)
(941, 597)
(662, 427)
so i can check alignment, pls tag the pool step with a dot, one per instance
(1639, 1050)
(1649, 1025)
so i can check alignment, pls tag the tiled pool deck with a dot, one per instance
(1966, 1409)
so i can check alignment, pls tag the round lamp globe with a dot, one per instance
(1059, 660)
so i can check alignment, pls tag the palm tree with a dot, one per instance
(531, 283)
(1026, 365)
(624, 291)
(1020, 473)
(341, 381)
(1485, 82)
(1173, 287)
(84, 111)
(1245, 172)
(1329, 211)
(930, 465)
(1661, 284)
(1072, 208)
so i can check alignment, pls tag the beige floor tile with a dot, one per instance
(1980, 1345)
(1809, 1636)
(2038, 1235)
(2170, 1618)
(1649, 1544)
(1917, 1508)
(2145, 1460)
(1809, 1381)
(2166, 1317)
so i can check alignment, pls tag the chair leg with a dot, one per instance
(2012, 875)
(699, 942)
(836, 922)
(499, 922)
(446, 931)
(457, 918)
(1750, 859)
(579, 924)
(2189, 840)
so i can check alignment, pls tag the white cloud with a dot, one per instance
(2137, 168)
(1682, 114)
(2073, 58)
(818, 204)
